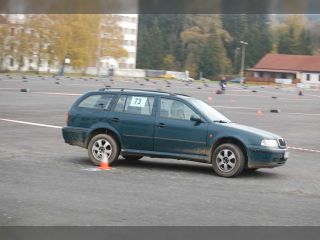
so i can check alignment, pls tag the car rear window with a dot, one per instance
(97, 101)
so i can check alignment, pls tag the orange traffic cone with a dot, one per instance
(104, 164)
(259, 113)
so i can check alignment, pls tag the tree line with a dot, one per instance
(210, 44)
(84, 38)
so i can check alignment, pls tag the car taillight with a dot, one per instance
(67, 119)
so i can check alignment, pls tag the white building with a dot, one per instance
(129, 27)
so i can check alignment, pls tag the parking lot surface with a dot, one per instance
(46, 182)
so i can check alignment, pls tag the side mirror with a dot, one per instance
(196, 119)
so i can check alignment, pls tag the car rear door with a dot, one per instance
(91, 110)
(134, 116)
(175, 133)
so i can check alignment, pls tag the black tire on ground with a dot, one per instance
(250, 170)
(228, 160)
(131, 157)
(109, 144)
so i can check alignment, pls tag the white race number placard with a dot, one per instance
(138, 102)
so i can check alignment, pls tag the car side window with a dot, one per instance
(120, 104)
(175, 109)
(97, 101)
(142, 105)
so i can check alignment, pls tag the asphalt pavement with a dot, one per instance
(44, 181)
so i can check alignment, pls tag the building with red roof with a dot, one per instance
(286, 68)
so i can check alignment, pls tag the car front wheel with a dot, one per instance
(103, 144)
(228, 160)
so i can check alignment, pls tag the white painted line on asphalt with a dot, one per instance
(58, 93)
(279, 98)
(30, 123)
(304, 149)
(91, 169)
(305, 114)
(249, 108)
(264, 110)
(9, 88)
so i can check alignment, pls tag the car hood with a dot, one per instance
(250, 130)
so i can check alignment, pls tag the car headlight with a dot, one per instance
(269, 143)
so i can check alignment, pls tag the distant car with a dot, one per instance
(168, 76)
(238, 80)
(137, 123)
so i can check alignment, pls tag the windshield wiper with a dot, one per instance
(220, 121)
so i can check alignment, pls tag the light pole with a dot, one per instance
(243, 56)
(66, 60)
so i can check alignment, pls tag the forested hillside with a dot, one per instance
(211, 43)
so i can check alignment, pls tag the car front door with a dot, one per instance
(134, 116)
(175, 132)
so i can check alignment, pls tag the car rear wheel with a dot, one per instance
(103, 144)
(131, 157)
(228, 160)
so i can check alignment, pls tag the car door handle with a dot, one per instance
(115, 119)
(161, 125)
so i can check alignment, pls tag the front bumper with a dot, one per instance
(262, 157)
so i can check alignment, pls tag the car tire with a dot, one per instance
(131, 157)
(228, 160)
(103, 143)
(250, 170)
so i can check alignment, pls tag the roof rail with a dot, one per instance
(132, 89)
(142, 90)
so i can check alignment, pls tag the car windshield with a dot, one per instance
(209, 111)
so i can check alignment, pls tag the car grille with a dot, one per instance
(282, 143)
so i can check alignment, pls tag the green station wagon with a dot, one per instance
(137, 123)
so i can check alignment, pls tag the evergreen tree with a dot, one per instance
(235, 25)
(253, 29)
(258, 37)
(305, 43)
(150, 45)
(208, 62)
(282, 44)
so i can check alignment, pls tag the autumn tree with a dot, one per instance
(110, 39)
(41, 35)
(203, 43)
(85, 38)
(4, 33)
(21, 46)
(293, 36)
